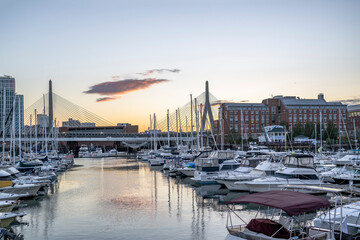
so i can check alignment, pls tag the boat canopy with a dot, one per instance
(293, 203)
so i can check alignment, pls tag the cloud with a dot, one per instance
(106, 99)
(147, 73)
(354, 100)
(121, 87)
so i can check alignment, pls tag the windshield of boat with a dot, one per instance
(299, 161)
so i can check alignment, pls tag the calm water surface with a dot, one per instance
(116, 198)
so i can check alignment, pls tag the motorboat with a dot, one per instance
(346, 218)
(12, 196)
(7, 205)
(298, 170)
(208, 168)
(113, 152)
(98, 153)
(280, 215)
(348, 176)
(6, 218)
(84, 151)
(160, 159)
(350, 159)
(236, 181)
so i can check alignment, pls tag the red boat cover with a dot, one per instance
(268, 227)
(293, 203)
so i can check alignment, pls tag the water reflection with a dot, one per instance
(120, 198)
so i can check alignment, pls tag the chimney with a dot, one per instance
(321, 96)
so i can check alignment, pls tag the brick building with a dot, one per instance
(354, 120)
(295, 110)
(244, 118)
(249, 119)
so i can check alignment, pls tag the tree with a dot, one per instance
(285, 124)
(309, 129)
(331, 131)
(298, 129)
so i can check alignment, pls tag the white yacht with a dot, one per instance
(236, 181)
(345, 216)
(298, 170)
(7, 205)
(6, 218)
(84, 152)
(350, 159)
(98, 153)
(113, 152)
(160, 159)
(208, 168)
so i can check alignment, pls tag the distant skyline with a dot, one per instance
(124, 60)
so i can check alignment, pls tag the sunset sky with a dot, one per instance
(124, 60)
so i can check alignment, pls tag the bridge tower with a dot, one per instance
(207, 110)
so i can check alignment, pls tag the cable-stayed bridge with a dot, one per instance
(181, 123)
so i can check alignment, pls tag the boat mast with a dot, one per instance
(36, 143)
(181, 141)
(197, 125)
(201, 133)
(155, 144)
(3, 124)
(44, 126)
(168, 129)
(177, 129)
(315, 136)
(191, 120)
(30, 133)
(340, 132)
(355, 134)
(13, 143)
(222, 132)
(321, 143)
(151, 143)
(19, 125)
(242, 130)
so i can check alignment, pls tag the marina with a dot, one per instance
(118, 198)
(127, 197)
(180, 120)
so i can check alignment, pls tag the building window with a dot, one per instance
(273, 110)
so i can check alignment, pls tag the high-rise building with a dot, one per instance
(7, 93)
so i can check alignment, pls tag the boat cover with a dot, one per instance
(293, 203)
(268, 227)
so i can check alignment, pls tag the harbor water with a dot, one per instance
(118, 198)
